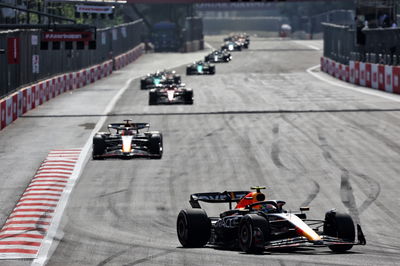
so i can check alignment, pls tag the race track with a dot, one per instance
(261, 120)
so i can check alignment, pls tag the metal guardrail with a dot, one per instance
(110, 42)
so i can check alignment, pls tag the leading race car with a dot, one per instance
(126, 140)
(200, 68)
(171, 94)
(256, 224)
(159, 78)
(218, 56)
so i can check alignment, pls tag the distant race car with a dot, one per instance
(200, 68)
(256, 224)
(171, 94)
(231, 46)
(159, 78)
(241, 38)
(126, 140)
(218, 56)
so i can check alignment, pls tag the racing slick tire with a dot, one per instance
(99, 147)
(193, 228)
(156, 145)
(253, 232)
(152, 97)
(188, 71)
(206, 59)
(189, 96)
(143, 84)
(212, 70)
(339, 225)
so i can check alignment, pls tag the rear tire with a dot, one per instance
(152, 98)
(156, 146)
(193, 228)
(339, 225)
(188, 71)
(253, 232)
(212, 70)
(189, 96)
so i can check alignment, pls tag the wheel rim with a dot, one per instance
(245, 236)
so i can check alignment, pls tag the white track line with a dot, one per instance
(350, 86)
(308, 45)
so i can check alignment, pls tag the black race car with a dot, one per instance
(126, 140)
(171, 94)
(218, 56)
(200, 68)
(231, 46)
(256, 224)
(242, 38)
(159, 78)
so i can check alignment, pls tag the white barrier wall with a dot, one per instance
(376, 76)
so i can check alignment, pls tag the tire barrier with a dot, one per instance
(375, 76)
(30, 97)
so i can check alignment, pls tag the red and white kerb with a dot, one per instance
(27, 226)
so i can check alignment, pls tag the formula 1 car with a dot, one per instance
(256, 224)
(231, 46)
(126, 140)
(218, 56)
(242, 38)
(200, 68)
(171, 94)
(159, 78)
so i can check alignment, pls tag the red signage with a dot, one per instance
(13, 50)
(57, 36)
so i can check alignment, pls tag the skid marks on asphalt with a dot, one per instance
(275, 149)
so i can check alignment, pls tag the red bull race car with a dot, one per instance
(171, 94)
(257, 224)
(127, 140)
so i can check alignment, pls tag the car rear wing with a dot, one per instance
(217, 197)
(132, 126)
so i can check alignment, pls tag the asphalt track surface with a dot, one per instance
(261, 120)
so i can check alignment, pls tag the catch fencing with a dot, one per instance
(373, 45)
(34, 64)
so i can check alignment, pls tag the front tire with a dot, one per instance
(99, 147)
(339, 225)
(193, 228)
(253, 232)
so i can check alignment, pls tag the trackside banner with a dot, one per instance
(94, 9)
(66, 36)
